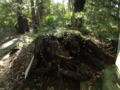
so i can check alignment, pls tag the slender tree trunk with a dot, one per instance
(49, 7)
(118, 51)
(70, 5)
(34, 21)
(63, 8)
(63, 11)
(73, 16)
(40, 12)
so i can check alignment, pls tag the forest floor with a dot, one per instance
(16, 52)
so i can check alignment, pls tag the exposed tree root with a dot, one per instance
(70, 57)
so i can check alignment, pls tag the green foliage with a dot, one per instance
(102, 20)
(6, 31)
(7, 15)
(50, 19)
(84, 31)
(67, 15)
(7, 18)
(79, 15)
(116, 18)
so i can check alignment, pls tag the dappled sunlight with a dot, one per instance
(6, 38)
(5, 45)
(118, 53)
(60, 31)
(6, 56)
(26, 38)
(11, 50)
(118, 61)
(1, 63)
(7, 61)
(44, 42)
(17, 42)
(118, 85)
(60, 1)
(18, 63)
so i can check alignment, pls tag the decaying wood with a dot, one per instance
(99, 53)
(72, 75)
(63, 49)
(28, 68)
(70, 56)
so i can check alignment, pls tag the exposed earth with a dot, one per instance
(16, 51)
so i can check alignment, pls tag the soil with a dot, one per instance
(14, 61)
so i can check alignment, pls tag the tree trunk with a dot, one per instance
(40, 12)
(118, 61)
(70, 5)
(118, 51)
(34, 21)
(73, 16)
(22, 24)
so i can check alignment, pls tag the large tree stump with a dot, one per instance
(22, 25)
(67, 57)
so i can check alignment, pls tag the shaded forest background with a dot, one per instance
(99, 18)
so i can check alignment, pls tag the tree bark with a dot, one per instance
(40, 12)
(72, 57)
(70, 5)
(117, 68)
(73, 16)
(34, 21)
(22, 24)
